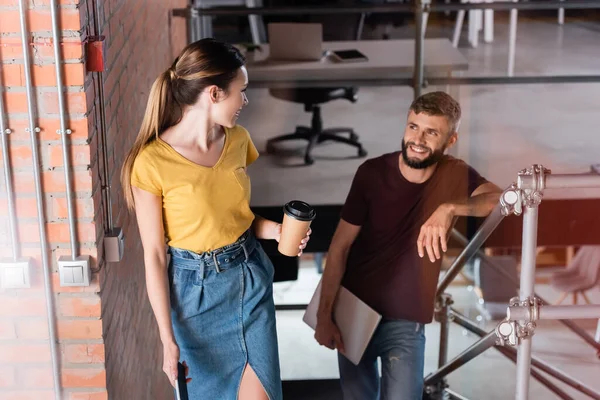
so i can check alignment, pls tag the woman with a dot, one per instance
(186, 179)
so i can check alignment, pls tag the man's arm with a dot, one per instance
(337, 256)
(480, 204)
(434, 231)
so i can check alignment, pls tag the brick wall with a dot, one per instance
(141, 43)
(107, 335)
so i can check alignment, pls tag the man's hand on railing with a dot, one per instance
(434, 233)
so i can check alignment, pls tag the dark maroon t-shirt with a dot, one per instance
(384, 268)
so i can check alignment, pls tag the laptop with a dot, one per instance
(355, 320)
(295, 41)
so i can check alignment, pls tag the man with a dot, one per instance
(388, 246)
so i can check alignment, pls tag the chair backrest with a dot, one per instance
(587, 262)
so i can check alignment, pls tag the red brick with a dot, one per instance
(84, 208)
(88, 396)
(20, 156)
(15, 102)
(80, 155)
(42, 47)
(54, 181)
(40, 376)
(29, 232)
(28, 395)
(7, 377)
(93, 288)
(15, 3)
(25, 207)
(75, 102)
(43, 75)
(48, 129)
(88, 306)
(22, 306)
(83, 353)
(79, 329)
(21, 353)
(81, 378)
(60, 232)
(39, 20)
(7, 329)
(32, 328)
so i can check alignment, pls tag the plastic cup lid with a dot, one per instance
(300, 210)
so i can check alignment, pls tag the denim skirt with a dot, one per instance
(224, 318)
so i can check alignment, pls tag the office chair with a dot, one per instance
(313, 98)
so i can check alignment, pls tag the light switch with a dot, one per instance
(74, 272)
(77, 275)
(68, 275)
(15, 274)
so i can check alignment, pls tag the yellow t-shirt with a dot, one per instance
(204, 208)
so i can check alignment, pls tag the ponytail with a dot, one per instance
(162, 111)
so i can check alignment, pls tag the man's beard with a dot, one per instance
(433, 158)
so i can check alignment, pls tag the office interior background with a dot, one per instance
(62, 204)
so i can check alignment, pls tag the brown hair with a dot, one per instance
(438, 104)
(201, 64)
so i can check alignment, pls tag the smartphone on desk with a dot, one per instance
(181, 384)
(351, 55)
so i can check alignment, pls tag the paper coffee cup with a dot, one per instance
(297, 217)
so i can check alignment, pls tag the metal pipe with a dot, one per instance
(311, 10)
(514, 80)
(442, 312)
(528, 258)
(419, 69)
(10, 194)
(470, 353)
(546, 5)
(434, 81)
(33, 130)
(509, 353)
(105, 176)
(512, 40)
(563, 181)
(307, 83)
(490, 261)
(395, 8)
(517, 313)
(454, 396)
(64, 131)
(581, 333)
(575, 384)
(486, 229)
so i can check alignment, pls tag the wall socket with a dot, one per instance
(15, 274)
(114, 245)
(74, 272)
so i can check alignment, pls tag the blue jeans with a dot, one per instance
(401, 346)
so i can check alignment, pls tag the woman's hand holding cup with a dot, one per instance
(295, 230)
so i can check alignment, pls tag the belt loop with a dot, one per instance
(216, 263)
(245, 251)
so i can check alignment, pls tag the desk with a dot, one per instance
(391, 62)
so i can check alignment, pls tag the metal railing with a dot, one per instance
(517, 329)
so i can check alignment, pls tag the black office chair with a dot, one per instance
(312, 98)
